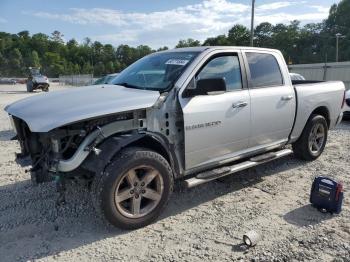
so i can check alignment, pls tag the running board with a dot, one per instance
(210, 175)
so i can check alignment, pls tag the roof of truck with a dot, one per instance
(203, 48)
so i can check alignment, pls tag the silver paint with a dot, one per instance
(47, 111)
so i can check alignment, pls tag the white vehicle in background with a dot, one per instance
(295, 76)
(37, 81)
(346, 111)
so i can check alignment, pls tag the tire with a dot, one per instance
(29, 86)
(128, 214)
(305, 147)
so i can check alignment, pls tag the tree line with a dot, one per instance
(310, 43)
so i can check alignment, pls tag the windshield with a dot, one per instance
(155, 72)
(109, 78)
(105, 80)
(100, 81)
(35, 71)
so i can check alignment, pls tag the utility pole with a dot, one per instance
(252, 25)
(337, 36)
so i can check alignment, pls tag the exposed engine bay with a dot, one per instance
(57, 151)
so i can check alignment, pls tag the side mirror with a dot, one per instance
(205, 86)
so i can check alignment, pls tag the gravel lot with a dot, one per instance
(204, 223)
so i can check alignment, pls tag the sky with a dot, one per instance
(151, 22)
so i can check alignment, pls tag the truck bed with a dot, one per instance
(316, 94)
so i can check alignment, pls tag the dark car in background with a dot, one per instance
(8, 81)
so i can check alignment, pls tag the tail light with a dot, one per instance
(338, 191)
(343, 103)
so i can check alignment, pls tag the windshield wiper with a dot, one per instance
(128, 85)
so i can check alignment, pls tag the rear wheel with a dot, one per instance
(134, 189)
(313, 139)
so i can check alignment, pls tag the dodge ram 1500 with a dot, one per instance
(191, 113)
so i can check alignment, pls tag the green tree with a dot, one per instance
(188, 43)
(263, 34)
(109, 68)
(34, 59)
(53, 64)
(238, 35)
(57, 36)
(87, 68)
(16, 65)
(99, 69)
(163, 48)
(219, 40)
(338, 22)
(3, 65)
(24, 34)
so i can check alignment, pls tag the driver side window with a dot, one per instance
(226, 67)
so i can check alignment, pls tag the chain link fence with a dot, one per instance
(76, 80)
(324, 71)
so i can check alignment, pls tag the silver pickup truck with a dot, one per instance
(194, 114)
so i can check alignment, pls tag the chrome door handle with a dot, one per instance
(286, 98)
(239, 104)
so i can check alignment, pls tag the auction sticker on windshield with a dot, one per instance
(177, 62)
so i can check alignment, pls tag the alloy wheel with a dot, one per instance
(139, 191)
(316, 138)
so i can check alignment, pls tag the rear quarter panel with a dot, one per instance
(312, 96)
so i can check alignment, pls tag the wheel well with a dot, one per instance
(111, 146)
(153, 144)
(323, 111)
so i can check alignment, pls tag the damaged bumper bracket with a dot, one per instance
(93, 138)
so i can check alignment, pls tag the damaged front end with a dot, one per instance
(60, 152)
(34, 146)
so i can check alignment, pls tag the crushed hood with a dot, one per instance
(47, 111)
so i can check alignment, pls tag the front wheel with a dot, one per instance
(45, 88)
(134, 188)
(312, 141)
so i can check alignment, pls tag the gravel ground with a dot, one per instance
(204, 223)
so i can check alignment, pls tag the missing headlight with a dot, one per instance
(12, 123)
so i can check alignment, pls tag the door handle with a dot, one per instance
(239, 104)
(286, 98)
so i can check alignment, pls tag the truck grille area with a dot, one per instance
(30, 143)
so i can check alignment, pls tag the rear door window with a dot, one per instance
(264, 70)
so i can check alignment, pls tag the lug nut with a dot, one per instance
(143, 191)
(143, 183)
(135, 184)
(131, 191)
(136, 196)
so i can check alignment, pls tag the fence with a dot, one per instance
(324, 71)
(76, 80)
